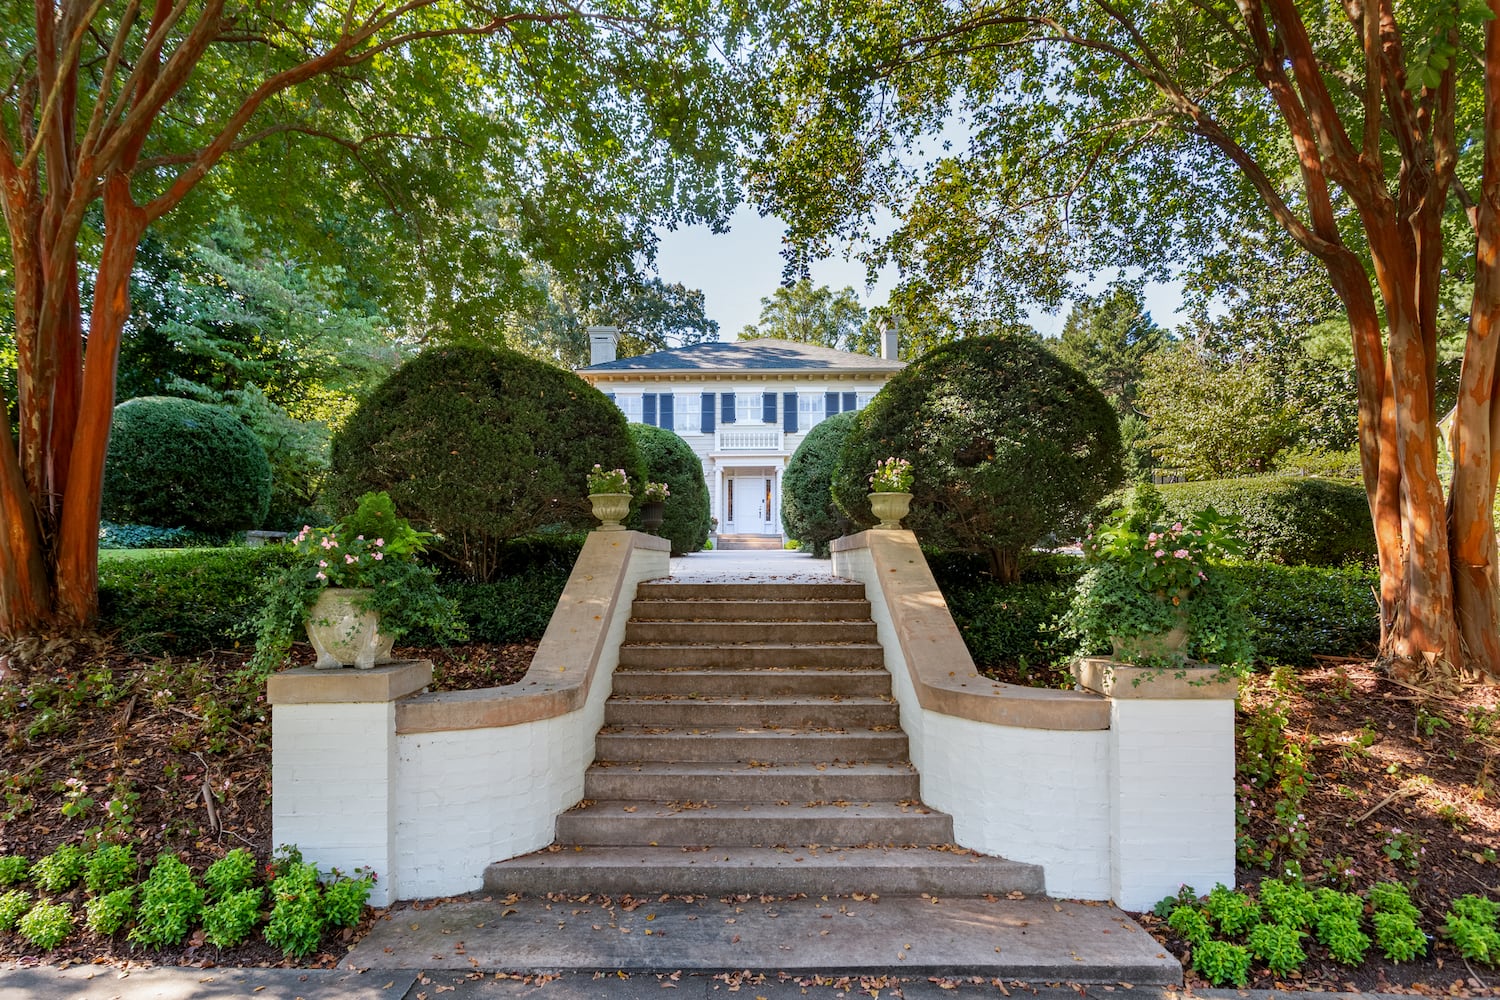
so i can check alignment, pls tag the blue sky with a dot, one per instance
(737, 269)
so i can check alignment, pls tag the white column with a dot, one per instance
(776, 501)
(333, 764)
(718, 497)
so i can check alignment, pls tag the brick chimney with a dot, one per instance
(602, 343)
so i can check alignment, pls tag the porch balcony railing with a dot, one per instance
(756, 439)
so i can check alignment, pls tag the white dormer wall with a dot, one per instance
(732, 449)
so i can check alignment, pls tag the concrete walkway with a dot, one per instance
(86, 982)
(754, 565)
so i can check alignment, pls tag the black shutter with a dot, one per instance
(768, 408)
(648, 408)
(726, 407)
(706, 418)
(789, 412)
(848, 402)
(664, 412)
(610, 396)
(830, 404)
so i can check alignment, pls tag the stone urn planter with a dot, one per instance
(890, 508)
(610, 509)
(1169, 645)
(344, 634)
(652, 512)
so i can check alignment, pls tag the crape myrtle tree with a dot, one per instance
(1124, 133)
(582, 126)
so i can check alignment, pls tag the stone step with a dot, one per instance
(727, 632)
(769, 746)
(717, 609)
(795, 711)
(865, 683)
(650, 871)
(748, 655)
(667, 824)
(834, 590)
(677, 782)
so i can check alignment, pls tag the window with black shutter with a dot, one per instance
(664, 412)
(726, 407)
(768, 408)
(830, 404)
(789, 412)
(648, 408)
(706, 417)
(849, 402)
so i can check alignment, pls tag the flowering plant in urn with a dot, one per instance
(1147, 579)
(893, 475)
(371, 555)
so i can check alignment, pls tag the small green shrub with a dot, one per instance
(1222, 963)
(344, 900)
(296, 923)
(109, 868)
(233, 918)
(47, 925)
(108, 914)
(808, 513)
(180, 463)
(186, 603)
(1331, 902)
(1399, 937)
(1341, 935)
(1473, 926)
(60, 870)
(13, 906)
(1190, 925)
(14, 868)
(1288, 903)
(1279, 946)
(170, 903)
(1317, 522)
(671, 460)
(1393, 897)
(232, 873)
(1234, 912)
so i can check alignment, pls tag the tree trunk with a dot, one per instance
(1005, 565)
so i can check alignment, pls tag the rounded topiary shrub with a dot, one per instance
(1006, 441)
(178, 463)
(1314, 522)
(481, 446)
(671, 460)
(808, 513)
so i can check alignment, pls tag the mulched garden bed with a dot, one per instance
(1400, 786)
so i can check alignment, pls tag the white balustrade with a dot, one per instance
(756, 439)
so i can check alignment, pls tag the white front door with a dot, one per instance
(747, 505)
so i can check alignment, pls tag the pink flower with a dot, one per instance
(1159, 553)
(351, 559)
(379, 542)
(359, 538)
(322, 575)
(380, 555)
(323, 563)
(329, 543)
(1152, 537)
(1180, 554)
(1177, 526)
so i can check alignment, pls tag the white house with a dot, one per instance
(744, 406)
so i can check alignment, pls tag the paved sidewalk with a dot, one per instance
(752, 565)
(105, 983)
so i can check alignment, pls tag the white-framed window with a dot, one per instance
(689, 416)
(749, 407)
(809, 410)
(863, 400)
(630, 405)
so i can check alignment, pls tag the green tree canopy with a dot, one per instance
(811, 314)
(1108, 337)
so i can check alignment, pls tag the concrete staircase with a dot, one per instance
(751, 744)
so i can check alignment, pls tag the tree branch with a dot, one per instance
(58, 87)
